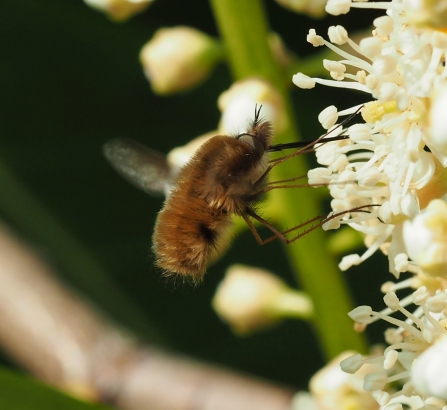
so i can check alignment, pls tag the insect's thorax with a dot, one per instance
(225, 173)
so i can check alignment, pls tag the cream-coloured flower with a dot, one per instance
(383, 163)
(313, 8)
(403, 362)
(120, 10)
(394, 162)
(237, 104)
(178, 58)
(428, 13)
(425, 239)
(437, 122)
(304, 401)
(179, 156)
(333, 388)
(429, 373)
(251, 299)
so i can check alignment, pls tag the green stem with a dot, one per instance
(244, 30)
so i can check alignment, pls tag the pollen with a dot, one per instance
(375, 110)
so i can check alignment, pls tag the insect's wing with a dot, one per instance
(143, 167)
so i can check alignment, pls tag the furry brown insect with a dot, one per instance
(218, 182)
(226, 176)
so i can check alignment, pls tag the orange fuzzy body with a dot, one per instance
(192, 229)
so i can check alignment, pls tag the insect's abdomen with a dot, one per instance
(188, 236)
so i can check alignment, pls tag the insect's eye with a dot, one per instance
(254, 142)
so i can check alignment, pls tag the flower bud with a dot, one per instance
(427, 13)
(361, 314)
(328, 117)
(425, 238)
(337, 7)
(375, 381)
(313, 8)
(239, 101)
(384, 25)
(338, 35)
(429, 373)
(352, 363)
(179, 156)
(332, 388)
(371, 46)
(120, 10)
(437, 124)
(249, 299)
(349, 260)
(176, 59)
(314, 39)
(303, 400)
(384, 65)
(303, 81)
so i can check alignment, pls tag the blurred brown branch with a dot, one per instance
(64, 341)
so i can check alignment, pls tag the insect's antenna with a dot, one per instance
(255, 121)
(257, 112)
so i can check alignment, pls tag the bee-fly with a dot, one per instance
(226, 176)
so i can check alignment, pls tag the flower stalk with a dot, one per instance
(248, 54)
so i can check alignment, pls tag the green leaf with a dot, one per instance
(21, 393)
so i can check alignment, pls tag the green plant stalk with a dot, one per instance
(244, 29)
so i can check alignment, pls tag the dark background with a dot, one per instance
(70, 80)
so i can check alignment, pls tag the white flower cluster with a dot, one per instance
(383, 163)
(394, 162)
(412, 357)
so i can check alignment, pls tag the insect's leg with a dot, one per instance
(277, 161)
(286, 180)
(277, 233)
(281, 235)
(322, 222)
(270, 188)
(255, 233)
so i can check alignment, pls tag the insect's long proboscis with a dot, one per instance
(305, 145)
